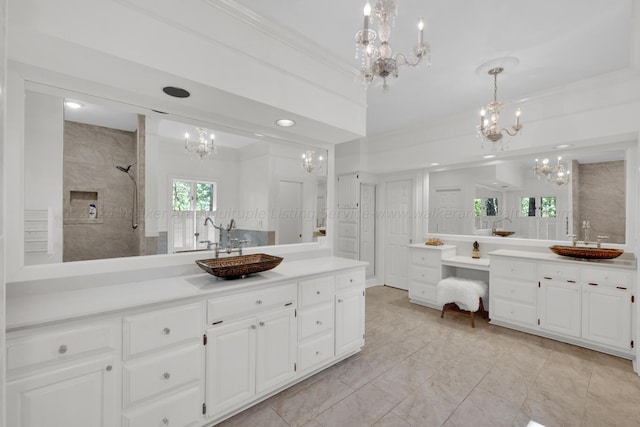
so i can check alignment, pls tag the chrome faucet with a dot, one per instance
(232, 245)
(504, 218)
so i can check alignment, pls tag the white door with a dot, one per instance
(289, 211)
(607, 316)
(78, 396)
(231, 362)
(398, 209)
(368, 226)
(276, 349)
(560, 307)
(349, 320)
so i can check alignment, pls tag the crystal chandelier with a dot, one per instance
(489, 129)
(310, 162)
(557, 175)
(202, 147)
(380, 60)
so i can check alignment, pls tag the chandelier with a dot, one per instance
(202, 147)
(489, 129)
(380, 60)
(557, 175)
(310, 162)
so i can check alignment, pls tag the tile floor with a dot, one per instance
(419, 370)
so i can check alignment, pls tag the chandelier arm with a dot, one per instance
(515, 132)
(402, 59)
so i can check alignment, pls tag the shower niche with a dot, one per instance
(78, 203)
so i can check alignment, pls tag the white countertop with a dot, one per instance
(467, 262)
(43, 308)
(623, 263)
(425, 246)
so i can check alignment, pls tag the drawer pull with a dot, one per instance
(318, 322)
(166, 375)
(593, 284)
(62, 349)
(166, 331)
(261, 323)
(109, 368)
(259, 302)
(165, 421)
(571, 281)
(621, 287)
(548, 278)
(350, 280)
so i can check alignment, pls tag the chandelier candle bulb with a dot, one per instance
(367, 14)
(420, 31)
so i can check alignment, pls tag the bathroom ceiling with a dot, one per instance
(556, 42)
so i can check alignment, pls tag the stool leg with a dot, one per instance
(473, 324)
(484, 312)
(444, 307)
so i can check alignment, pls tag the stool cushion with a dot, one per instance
(466, 293)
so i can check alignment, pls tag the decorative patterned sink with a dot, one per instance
(584, 252)
(235, 267)
(503, 233)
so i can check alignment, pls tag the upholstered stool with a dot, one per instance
(455, 293)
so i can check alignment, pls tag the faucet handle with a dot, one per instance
(600, 239)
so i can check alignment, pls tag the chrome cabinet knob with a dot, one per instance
(253, 326)
(259, 302)
(109, 368)
(166, 375)
(317, 292)
(62, 349)
(318, 322)
(165, 421)
(261, 323)
(166, 331)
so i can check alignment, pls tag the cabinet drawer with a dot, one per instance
(512, 268)
(151, 331)
(59, 344)
(608, 277)
(350, 278)
(249, 302)
(315, 291)
(425, 274)
(423, 292)
(513, 312)
(559, 272)
(316, 320)
(425, 258)
(180, 409)
(315, 352)
(514, 290)
(160, 373)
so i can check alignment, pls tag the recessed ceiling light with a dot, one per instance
(561, 146)
(176, 92)
(435, 164)
(73, 104)
(489, 156)
(285, 123)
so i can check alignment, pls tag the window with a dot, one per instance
(477, 207)
(547, 207)
(192, 202)
(490, 207)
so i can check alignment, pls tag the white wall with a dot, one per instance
(3, 68)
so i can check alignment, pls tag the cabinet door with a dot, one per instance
(607, 316)
(349, 320)
(231, 361)
(560, 307)
(275, 349)
(80, 395)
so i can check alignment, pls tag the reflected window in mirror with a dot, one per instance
(192, 202)
(548, 207)
(528, 206)
(491, 205)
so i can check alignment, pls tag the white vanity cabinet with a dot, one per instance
(560, 308)
(606, 304)
(350, 300)
(513, 291)
(64, 376)
(163, 354)
(253, 349)
(316, 325)
(425, 271)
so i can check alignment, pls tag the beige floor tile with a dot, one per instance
(507, 382)
(553, 412)
(430, 405)
(624, 413)
(364, 407)
(303, 406)
(392, 420)
(261, 415)
(363, 369)
(404, 378)
(460, 376)
(483, 408)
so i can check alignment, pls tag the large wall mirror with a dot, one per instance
(584, 191)
(103, 180)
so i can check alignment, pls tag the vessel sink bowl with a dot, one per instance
(585, 252)
(503, 233)
(235, 267)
